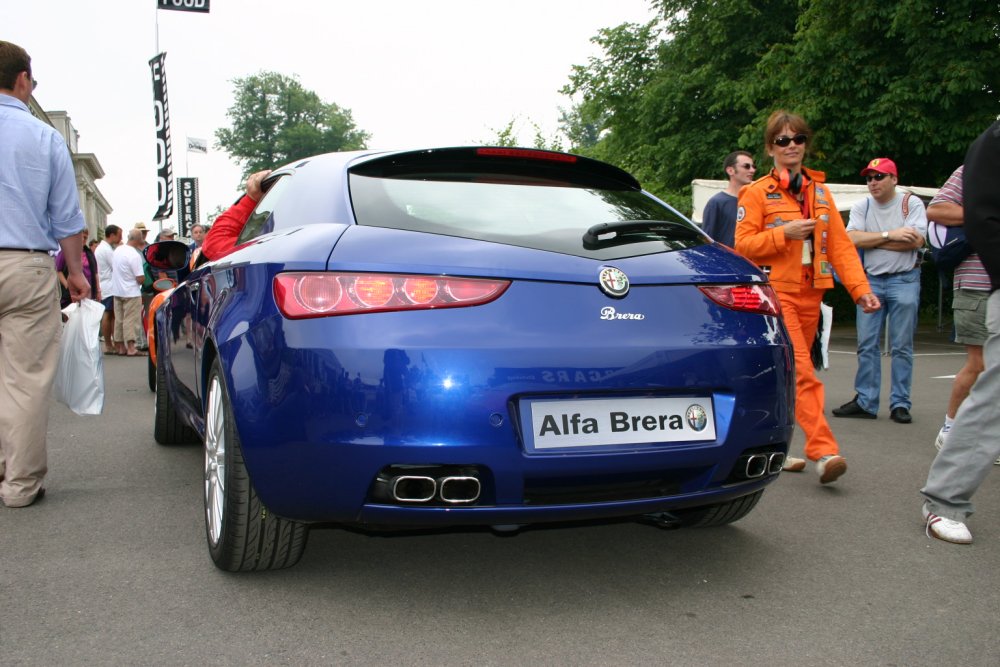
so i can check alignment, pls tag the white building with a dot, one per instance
(88, 170)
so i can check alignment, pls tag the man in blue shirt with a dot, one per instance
(39, 214)
(719, 217)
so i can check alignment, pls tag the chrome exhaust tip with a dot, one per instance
(756, 466)
(775, 462)
(413, 488)
(459, 490)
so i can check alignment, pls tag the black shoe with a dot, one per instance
(900, 415)
(852, 409)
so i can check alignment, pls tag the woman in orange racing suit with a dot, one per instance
(788, 224)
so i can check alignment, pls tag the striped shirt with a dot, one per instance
(970, 274)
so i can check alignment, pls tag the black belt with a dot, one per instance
(25, 250)
(893, 273)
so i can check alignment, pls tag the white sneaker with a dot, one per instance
(955, 532)
(793, 464)
(830, 468)
(941, 436)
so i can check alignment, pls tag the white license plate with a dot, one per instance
(613, 422)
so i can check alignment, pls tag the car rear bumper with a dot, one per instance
(354, 483)
(377, 515)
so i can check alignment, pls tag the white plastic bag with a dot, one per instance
(80, 376)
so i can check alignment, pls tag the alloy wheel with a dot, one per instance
(215, 460)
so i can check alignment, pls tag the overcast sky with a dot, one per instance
(413, 73)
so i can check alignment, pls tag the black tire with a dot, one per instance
(151, 373)
(718, 515)
(168, 428)
(242, 534)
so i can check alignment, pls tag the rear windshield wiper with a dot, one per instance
(613, 233)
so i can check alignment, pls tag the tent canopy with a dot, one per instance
(844, 194)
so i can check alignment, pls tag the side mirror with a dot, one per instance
(166, 255)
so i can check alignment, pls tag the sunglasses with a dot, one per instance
(747, 165)
(874, 177)
(783, 140)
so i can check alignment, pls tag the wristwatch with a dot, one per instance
(885, 236)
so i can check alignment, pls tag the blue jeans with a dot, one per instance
(899, 294)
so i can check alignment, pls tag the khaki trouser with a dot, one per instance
(30, 327)
(128, 318)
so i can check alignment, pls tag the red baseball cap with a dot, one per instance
(882, 165)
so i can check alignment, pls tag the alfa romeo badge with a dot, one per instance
(613, 282)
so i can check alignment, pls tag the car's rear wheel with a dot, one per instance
(168, 428)
(242, 534)
(151, 373)
(718, 515)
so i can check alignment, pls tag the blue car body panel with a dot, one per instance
(323, 405)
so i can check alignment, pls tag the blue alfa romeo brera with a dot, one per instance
(469, 336)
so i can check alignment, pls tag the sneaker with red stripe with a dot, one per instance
(948, 530)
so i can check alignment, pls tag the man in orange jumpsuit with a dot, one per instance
(788, 224)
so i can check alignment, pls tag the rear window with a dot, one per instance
(541, 211)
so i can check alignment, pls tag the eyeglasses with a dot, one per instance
(874, 177)
(784, 140)
(34, 84)
(747, 165)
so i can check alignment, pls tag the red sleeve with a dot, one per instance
(221, 238)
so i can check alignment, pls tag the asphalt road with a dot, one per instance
(111, 567)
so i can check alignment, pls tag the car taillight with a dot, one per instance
(531, 154)
(420, 290)
(373, 291)
(315, 294)
(747, 298)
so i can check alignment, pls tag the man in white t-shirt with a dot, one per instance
(126, 279)
(104, 253)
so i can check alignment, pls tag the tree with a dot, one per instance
(509, 136)
(914, 80)
(668, 97)
(605, 123)
(275, 121)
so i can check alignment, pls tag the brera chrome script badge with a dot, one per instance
(613, 282)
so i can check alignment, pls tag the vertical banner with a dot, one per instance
(187, 205)
(184, 5)
(164, 166)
